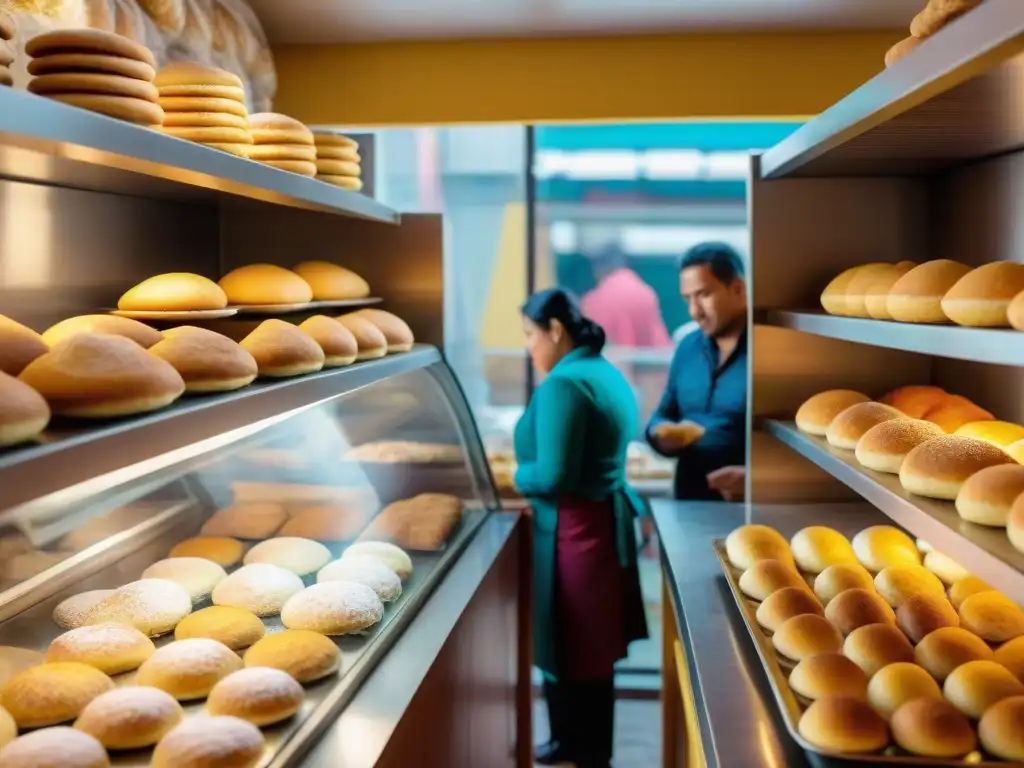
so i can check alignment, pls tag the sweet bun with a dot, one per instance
(339, 345)
(817, 547)
(207, 361)
(1011, 656)
(834, 297)
(977, 685)
(205, 742)
(982, 297)
(110, 648)
(880, 546)
(367, 571)
(964, 588)
(914, 400)
(895, 684)
(256, 520)
(396, 331)
(281, 350)
(1001, 729)
(866, 277)
(898, 582)
(945, 649)
(857, 608)
(52, 693)
(747, 544)
(188, 669)
(23, 411)
(955, 411)
(234, 627)
(849, 426)
(95, 375)
(874, 646)
(60, 747)
(333, 608)
(392, 556)
(307, 656)
(806, 635)
(785, 604)
(111, 325)
(152, 606)
(130, 718)
(917, 296)
(300, 556)
(174, 292)
(767, 576)
(843, 724)
(932, 727)
(987, 496)
(1000, 433)
(839, 578)
(876, 294)
(992, 616)
(265, 284)
(197, 575)
(71, 612)
(222, 550)
(884, 447)
(259, 695)
(331, 282)
(939, 467)
(828, 674)
(19, 346)
(948, 570)
(260, 588)
(370, 340)
(922, 614)
(815, 415)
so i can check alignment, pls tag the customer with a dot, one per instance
(571, 450)
(622, 303)
(702, 417)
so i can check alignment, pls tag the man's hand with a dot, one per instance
(671, 438)
(730, 482)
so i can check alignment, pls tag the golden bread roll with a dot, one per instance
(257, 520)
(60, 747)
(785, 604)
(222, 550)
(874, 646)
(194, 74)
(111, 325)
(895, 684)
(880, 546)
(174, 292)
(884, 447)
(234, 627)
(24, 413)
(866, 277)
(326, 523)
(964, 588)
(1011, 656)
(948, 570)
(281, 350)
(8, 728)
(917, 296)
(336, 340)
(843, 724)
(920, 615)
(300, 556)
(196, 575)
(1015, 525)
(817, 413)
(1001, 729)
(817, 547)
(988, 495)
(111, 648)
(397, 332)
(856, 608)
(834, 297)
(977, 685)
(188, 669)
(305, 655)
(899, 582)
(747, 544)
(876, 294)
(982, 297)
(259, 695)
(828, 674)
(130, 718)
(331, 282)
(260, 588)
(806, 635)
(839, 578)
(945, 649)
(849, 426)
(914, 400)
(52, 693)
(393, 557)
(1015, 312)
(955, 411)
(992, 616)
(204, 742)
(275, 128)
(767, 576)
(207, 361)
(366, 570)
(333, 608)
(19, 346)
(939, 468)
(152, 606)
(93, 375)
(931, 727)
(71, 612)
(1000, 433)
(265, 284)
(370, 339)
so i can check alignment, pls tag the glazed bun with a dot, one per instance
(1011, 656)
(992, 617)
(1001, 729)
(844, 724)
(815, 415)
(749, 543)
(982, 297)
(895, 684)
(130, 718)
(849, 426)
(816, 548)
(932, 727)
(884, 447)
(939, 468)
(207, 361)
(785, 604)
(915, 400)
(945, 649)
(806, 635)
(948, 570)
(767, 576)
(875, 646)
(265, 284)
(828, 674)
(839, 578)
(857, 608)
(922, 614)
(977, 685)
(964, 588)
(174, 292)
(881, 546)
(988, 495)
(917, 296)
(898, 582)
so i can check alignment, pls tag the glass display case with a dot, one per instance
(331, 470)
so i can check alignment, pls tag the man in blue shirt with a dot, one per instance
(702, 417)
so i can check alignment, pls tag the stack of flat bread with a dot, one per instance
(338, 161)
(7, 30)
(936, 15)
(206, 105)
(282, 142)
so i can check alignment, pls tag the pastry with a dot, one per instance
(24, 413)
(141, 334)
(1001, 729)
(396, 331)
(234, 627)
(326, 166)
(895, 684)
(205, 742)
(875, 646)
(206, 361)
(19, 346)
(282, 350)
(246, 521)
(964, 588)
(843, 724)
(220, 549)
(884, 447)
(423, 522)
(300, 556)
(326, 523)
(259, 588)
(125, 108)
(274, 128)
(849, 426)
(196, 575)
(52, 693)
(71, 612)
(977, 685)
(917, 296)
(828, 674)
(110, 648)
(939, 467)
(301, 167)
(856, 608)
(203, 105)
(931, 727)
(817, 413)
(333, 608)
(920, 615)
(259, 695)
(368, 571)
(188, 669)
(943, 650)
(152, 606)
(839, 578)
(370, 339)
(339, 345)
(305, 655)
(208, 120)
(61, 747)
(880, 546)
(988, 495)
(331, 282)
(817, 547)
(326, 141)
(130, 718)
(207, 134)
(914, 400)
(393, 557)
(768, 576)
(265, 284)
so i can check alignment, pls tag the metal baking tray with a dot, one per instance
(793, 706)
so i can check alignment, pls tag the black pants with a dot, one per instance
(582, 717)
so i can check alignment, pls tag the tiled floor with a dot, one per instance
(637, 732)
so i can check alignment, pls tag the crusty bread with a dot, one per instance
(939, 467)
(815, 415)
(917, 296)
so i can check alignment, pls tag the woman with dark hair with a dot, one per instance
(571, 450)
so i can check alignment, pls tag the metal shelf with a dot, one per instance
(981, 345)
(951, 100)
(985, 552)
(44, 141)
(67, 455)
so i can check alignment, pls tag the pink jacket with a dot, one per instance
(628, 310)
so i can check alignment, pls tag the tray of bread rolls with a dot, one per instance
(874, 658)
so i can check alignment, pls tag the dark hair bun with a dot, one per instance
(558, 304)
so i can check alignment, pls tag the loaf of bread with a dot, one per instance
(917, 296)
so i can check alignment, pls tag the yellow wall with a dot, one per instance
(604, 78)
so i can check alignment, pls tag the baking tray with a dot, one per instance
(792, 706)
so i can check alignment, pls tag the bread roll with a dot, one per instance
(111, 325)
(305, 655)
(964, 588)
(188, 669)
(246, 521)
(282, 350)
(24, 413)
(196, 575)
(111, 648)
(945, 649)
(1000, 433)
(370, 340)
(894, 685)
(843, 724)
(932, 727)
(767, 576)
(849, 426)
(19, 346)
(899, 582)
(130, 718)
(955, 411)
(222, 550)
(880, 546)
(865, 278)
(260, 588)
(920, 615)
(397, 332)
(992, 616)
(205, 742)
(876, 294)
(71, 612)
(828, 674)
(839, 578)
(52, 693)
(333, 608)
(259, 695)
(393, 557)
(1001, 729)
(884, 447)
(917, 296)
(806, 635)
(207, 361)
(61, 747)
(987, 496)
(874, 646)
(834, 298)
(947, 569)
(1011, 656)
(331, 282)
(817, 547)
(915, 400)
(234, 627)
(152, 606)
(982, 297)
(784, 604)
(339, 345)
(747, 544)
(265, 284)
(977, 685)
(174, 292)
(369, 572)
(1015, 525)
(857, 608)
(815, 415)
(93, 375)
(939, 468)
(300, 556)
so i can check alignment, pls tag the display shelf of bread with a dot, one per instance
(935, 15)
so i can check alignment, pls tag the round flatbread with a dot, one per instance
(121, 107)
(88, 41)
(280, 136)
(204, 120)
(91, 82)
(202, 104)
(64, 63)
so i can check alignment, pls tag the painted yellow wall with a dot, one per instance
(582, 79)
